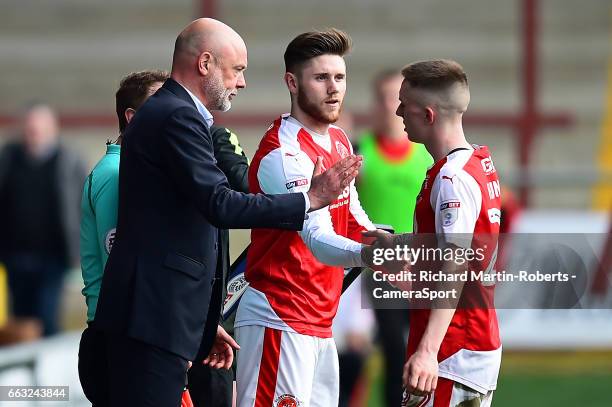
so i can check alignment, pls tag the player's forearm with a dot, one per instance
(332, 249)
(439, 320)
(442, 309)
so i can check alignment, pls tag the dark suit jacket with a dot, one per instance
(157, 285)
(235, 165)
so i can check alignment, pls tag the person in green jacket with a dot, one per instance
(98, 222)
(393, 166)
(389, 181)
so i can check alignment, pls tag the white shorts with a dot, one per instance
(285, 369)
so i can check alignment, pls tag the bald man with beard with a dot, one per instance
(160, 298)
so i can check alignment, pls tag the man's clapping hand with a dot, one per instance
(326, 186)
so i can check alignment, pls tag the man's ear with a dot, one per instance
(129, 113)
(291, 82)
(204, 63)
(430, 115)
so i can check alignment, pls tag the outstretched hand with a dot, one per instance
(380, 240)
(327, 185)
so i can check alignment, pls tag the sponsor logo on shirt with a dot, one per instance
(487, 165)
(296, 183)
(338, 204)
(450, 204)
(346, 192)
(109, 240)
(449, 212)
(494, 215)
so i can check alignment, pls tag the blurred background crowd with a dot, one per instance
(540, 75)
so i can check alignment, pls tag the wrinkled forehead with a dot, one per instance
(233, 53)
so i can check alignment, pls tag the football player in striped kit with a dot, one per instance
(454, 350)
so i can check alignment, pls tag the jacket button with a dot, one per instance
(216, 246)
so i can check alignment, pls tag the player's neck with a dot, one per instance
(445, 140)
(309, 122)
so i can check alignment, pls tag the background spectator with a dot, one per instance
(40, 189)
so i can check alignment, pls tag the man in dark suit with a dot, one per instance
(160, 298)
(211, 387)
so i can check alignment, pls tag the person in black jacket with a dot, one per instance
(215, 387)
(161, 294)
(40, 189)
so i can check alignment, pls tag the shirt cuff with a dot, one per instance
(307, 202)
(357, 255)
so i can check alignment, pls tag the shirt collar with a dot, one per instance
(208, 118)
(113, 149)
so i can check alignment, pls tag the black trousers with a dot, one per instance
(93, 367)
(143, 375)
(36, 282)
(392, 329)
(210, 387)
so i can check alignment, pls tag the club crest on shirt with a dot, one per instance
(342, 150)
(449, 212)
(287, 400)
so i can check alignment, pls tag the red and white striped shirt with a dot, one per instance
(460, 202)
(296, 277)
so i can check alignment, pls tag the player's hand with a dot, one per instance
(370, 239)
(326, 186)
(374, 259)
(222, 353)
(378, 237)
(421, 373)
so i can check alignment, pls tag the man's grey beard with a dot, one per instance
(218, 95)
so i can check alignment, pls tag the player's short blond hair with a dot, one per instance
(435, 74)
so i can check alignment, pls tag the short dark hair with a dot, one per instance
(315, 43)
(133, 91)
(434, 74)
